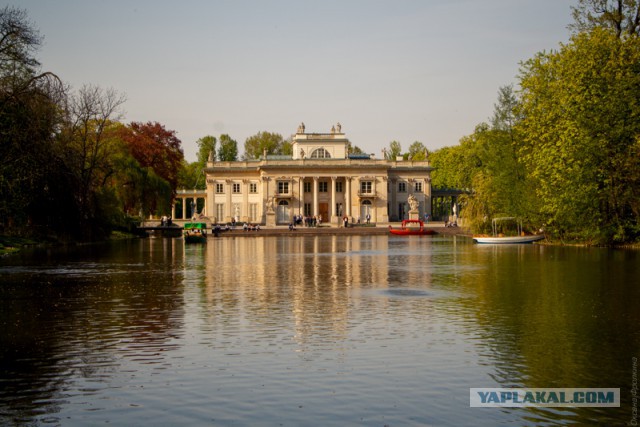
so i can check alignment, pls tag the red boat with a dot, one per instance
(411, 227)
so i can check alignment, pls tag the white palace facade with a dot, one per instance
(319, 179)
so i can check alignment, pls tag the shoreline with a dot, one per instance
(438, 227)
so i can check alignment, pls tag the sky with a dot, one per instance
(403, 70)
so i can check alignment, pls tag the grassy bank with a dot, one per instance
(12, 244)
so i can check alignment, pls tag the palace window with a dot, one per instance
(323, 186)
(365, 187)
(283, 187)
(220, 212)
(236, 188)
(253, 212)
(253, 187)
(338, 186)
(418, 187)
(402, 187)
(320, 153)
(307, 187)
(219, 188)
(307, 209)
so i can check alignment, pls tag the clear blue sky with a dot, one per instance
(405, 70)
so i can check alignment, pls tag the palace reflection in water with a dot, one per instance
(331, 330)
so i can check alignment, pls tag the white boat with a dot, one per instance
(496, 238)
(509, 239)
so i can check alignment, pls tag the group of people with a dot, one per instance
(309, 221)
(250, 227)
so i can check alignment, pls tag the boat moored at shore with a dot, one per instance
(499, 238)
(195, 232)
(411, 227)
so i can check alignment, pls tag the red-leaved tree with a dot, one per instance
(156, 147)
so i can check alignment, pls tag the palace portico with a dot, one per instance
(319, 179)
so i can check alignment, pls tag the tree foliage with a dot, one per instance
(582, 128)
(564, 151)
(156, 147)
(206, 148)
(620, 16)
(228, 151)
(394, 151)
(271, 143)
(417, 152)
(68, 167)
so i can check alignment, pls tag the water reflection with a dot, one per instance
(339, 330)
(68, 323)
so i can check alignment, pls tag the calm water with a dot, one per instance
(325, 330)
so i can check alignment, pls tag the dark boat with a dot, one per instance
(195, 232)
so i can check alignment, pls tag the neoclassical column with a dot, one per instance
(265, 195)
(301, 195)
(229, 208)
(332, 208)
(315, 195)
(347, 195)
(394, 198)
(184, 207)
(245, 199)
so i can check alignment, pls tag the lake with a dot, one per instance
(312, 330)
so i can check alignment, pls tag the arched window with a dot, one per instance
(282, 214)
(320, 153)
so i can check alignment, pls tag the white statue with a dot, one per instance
(413, 202)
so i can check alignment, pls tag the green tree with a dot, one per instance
(487, 164)
(88, 137)
(206, 147)
(191, 176)
(452, 168)
(354, 149)
(581, 136)
(394, 151)
(228, 151)
(417, 152)
(256, 145)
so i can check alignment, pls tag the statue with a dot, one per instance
(413, 202)
(270, 201)
(339, 127)
(301, 128)
(301, 153)
(333, 129)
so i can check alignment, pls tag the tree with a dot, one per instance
(417, 152)
(621, 16)
(394, 151)
(206, 147)
(488, 164)
(256, 145)
(18, 42)
(581, 132)
(88, 137)
(191, 175)
(451, 169)
(228, 151)
(353, 149)
(156, 147)
(30, 116)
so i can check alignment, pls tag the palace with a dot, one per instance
(319, 179)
